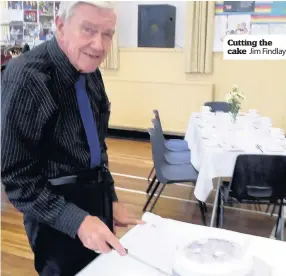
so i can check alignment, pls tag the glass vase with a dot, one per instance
(234, 117)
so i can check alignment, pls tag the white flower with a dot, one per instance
(228, 97)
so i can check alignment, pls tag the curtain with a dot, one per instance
(199, 36)
(112, 59)
(3, 15)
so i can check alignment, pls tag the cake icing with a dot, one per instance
(212, 257)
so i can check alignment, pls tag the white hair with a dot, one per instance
(66, 8)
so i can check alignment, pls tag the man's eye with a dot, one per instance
(108, 35)
(87, 30)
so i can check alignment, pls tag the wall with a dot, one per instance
(155, 78)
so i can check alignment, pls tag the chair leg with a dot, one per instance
(218, 210)
(151, 184)
(157, 198)
(282, 223)
(268, 207)
(273, 210)
(205, 206)
(258, 206)
(150, 174)
(278, 222)
(151, 196)
(203, 216)
(221, 212)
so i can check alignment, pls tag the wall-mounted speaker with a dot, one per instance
(156, 26)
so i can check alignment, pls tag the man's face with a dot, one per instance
(87, 36)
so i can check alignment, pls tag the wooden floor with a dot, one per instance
(130, 163)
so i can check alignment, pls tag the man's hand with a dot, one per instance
(121, 217)
(95, 235)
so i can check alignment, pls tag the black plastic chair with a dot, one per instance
(168, 174)
(218, 106)
(257, 179)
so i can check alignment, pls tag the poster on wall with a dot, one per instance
(238, 6)
(30, 5)
(46, 28)
(16, 31)
(15, 5)
(46, 17)
(238, 24)
(30, 16)
(255, 17)
(219, 32)
(259, 29)
(31, 32)
(46, 8)
(57, 7)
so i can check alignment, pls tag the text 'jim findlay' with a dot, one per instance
(253, 51)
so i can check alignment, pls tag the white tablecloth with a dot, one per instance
(212, 161)
(156, 241)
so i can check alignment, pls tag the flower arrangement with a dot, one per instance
(235, 99)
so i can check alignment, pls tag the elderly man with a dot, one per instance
(55, 116)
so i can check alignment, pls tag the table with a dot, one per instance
(212, 161)
(156, 241)
(210, 136)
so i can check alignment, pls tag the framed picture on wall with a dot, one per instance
(46, 17)
(31, 32)
(30, 5)
(16, 32)
(15, 5)
(46, 34)
(30, 16)
(46, 8)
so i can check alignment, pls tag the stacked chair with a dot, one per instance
(257, 179)
(178, 150)
(218, 106)
(170, 167)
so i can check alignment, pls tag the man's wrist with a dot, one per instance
(70, 219)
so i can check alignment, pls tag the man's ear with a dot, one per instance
(60, 26)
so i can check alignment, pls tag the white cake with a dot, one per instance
(212, 257)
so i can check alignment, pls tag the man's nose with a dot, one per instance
(97, 42)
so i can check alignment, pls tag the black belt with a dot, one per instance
(89, 175)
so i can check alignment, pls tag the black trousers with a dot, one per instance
(57, 254)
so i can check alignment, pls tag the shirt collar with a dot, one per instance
(69, 73)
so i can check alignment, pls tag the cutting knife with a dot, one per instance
(140, 261)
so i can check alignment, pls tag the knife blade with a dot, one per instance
(139, 260)
(147, 264)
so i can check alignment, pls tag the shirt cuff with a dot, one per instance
(70, 220)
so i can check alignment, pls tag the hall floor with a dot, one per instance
(130, 163)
